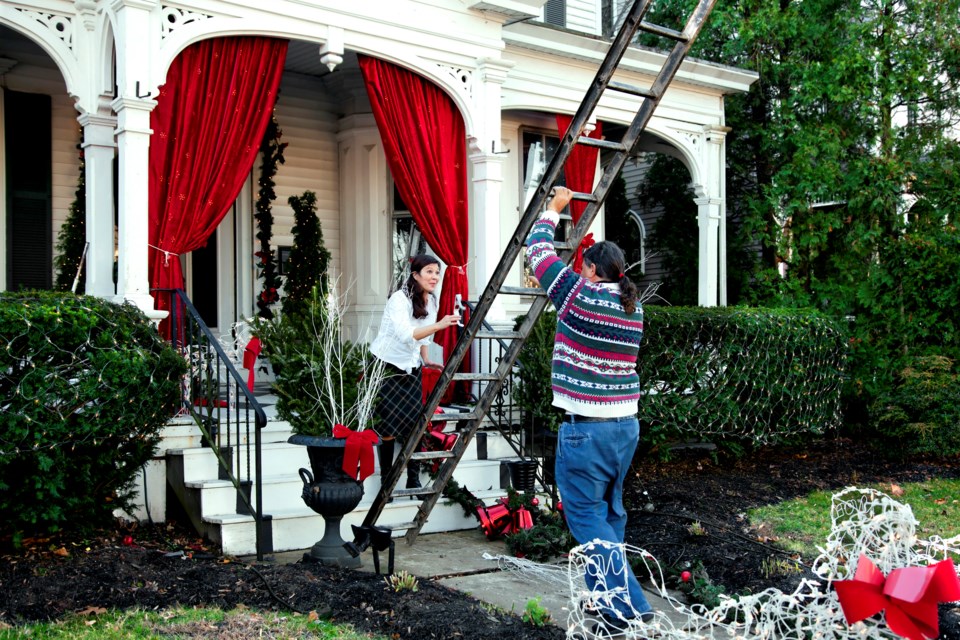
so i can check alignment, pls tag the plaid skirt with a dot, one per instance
(399, 403)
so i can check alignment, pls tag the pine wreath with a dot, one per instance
(271, 149)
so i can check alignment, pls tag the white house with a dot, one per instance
(94, 70)
(98, 65)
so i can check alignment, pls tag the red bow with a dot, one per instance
(358, 450)
(250, 354)
(909, 595)
(585, 244)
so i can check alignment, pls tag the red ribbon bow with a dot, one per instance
(585, 244)
(250, 354)
(909, 595)
(358, 450)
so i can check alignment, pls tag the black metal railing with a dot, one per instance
(221, 403)
(518, 428)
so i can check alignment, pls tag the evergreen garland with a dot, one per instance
(309, 257)
(271, 149)
(72, 237)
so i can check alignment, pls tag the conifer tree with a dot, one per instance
(309, 257)
(73, 237)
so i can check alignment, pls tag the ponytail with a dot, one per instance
(610, 263)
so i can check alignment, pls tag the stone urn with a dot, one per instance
(331, 493)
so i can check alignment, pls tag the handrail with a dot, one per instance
(203, 388)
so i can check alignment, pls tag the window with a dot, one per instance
(555, 12)
(406, 241)
(538, 150)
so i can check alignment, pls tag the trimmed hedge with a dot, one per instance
(738, 376)
(741, 376)
(85, 387)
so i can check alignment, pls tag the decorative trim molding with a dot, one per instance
(173, 17)
(59, 25)
(462, 77)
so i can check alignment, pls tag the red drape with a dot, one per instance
(425, 142)
(207, 125)
(580, 172)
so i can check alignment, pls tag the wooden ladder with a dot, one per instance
(468, 423)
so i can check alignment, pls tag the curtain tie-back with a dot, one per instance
(166, 254)
(462, 268)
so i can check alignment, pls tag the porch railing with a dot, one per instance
(518, 428)
(224, 408)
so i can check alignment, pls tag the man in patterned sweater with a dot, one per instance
(594, 380)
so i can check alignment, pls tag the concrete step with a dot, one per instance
(201, 464)
(182, 433)
(282, 491)
(300, 528)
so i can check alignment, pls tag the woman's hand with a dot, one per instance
(448, 321)
(433, 365)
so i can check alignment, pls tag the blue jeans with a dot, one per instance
(592, 460)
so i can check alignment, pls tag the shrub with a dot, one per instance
(920, 414)
(533, 392)
(740, 376)
(85, 386)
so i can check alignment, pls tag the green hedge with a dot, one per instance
(740, 376)
(85, 387)
(737, 376)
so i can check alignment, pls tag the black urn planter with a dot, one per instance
(331, 493)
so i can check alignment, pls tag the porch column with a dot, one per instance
(365, 216)
(708, 219)
(716, 164)
(133, 106)
(98, 150)
(486, 157)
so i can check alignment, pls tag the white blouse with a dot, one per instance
(395, 343)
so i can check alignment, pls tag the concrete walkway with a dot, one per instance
(456, 560)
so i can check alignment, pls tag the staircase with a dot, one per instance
(211, 502)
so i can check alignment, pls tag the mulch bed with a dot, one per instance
(163, 565)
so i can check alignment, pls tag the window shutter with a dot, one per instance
(555, 12)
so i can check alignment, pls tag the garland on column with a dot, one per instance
(271, 149)
(73, 235)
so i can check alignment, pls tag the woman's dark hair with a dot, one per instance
(608, 258)
(413, 288)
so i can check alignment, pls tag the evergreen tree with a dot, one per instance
(271, 150)
(309, 257)
(72, 237)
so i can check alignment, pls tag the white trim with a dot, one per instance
(3, 190)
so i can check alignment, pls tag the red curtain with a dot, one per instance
(207, 125)
(425, 142)
(580, 172)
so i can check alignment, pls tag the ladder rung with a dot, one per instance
(586, 197)
(522, 291)
(656, 29)
(558, 245)
(431, 455)
(499, 335)
(402, 526)
(419, 491)
(474, 377)
(602, 144)
(633, 90)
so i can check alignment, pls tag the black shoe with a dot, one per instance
(413, 480)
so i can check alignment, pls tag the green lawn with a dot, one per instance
(799, 525)
(237, 624)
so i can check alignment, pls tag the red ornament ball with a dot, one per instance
(685, 576)
(128, 541)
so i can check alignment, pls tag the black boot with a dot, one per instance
(413, 480)
(385, 456)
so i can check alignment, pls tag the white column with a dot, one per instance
(708, 219)
(98, 151)
(365, 255)
(716, 163)
(487, 172)
(133, 107)
(486, 157)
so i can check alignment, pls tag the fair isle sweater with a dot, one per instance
(594, 371)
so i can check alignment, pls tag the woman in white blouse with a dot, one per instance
(406, 331)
